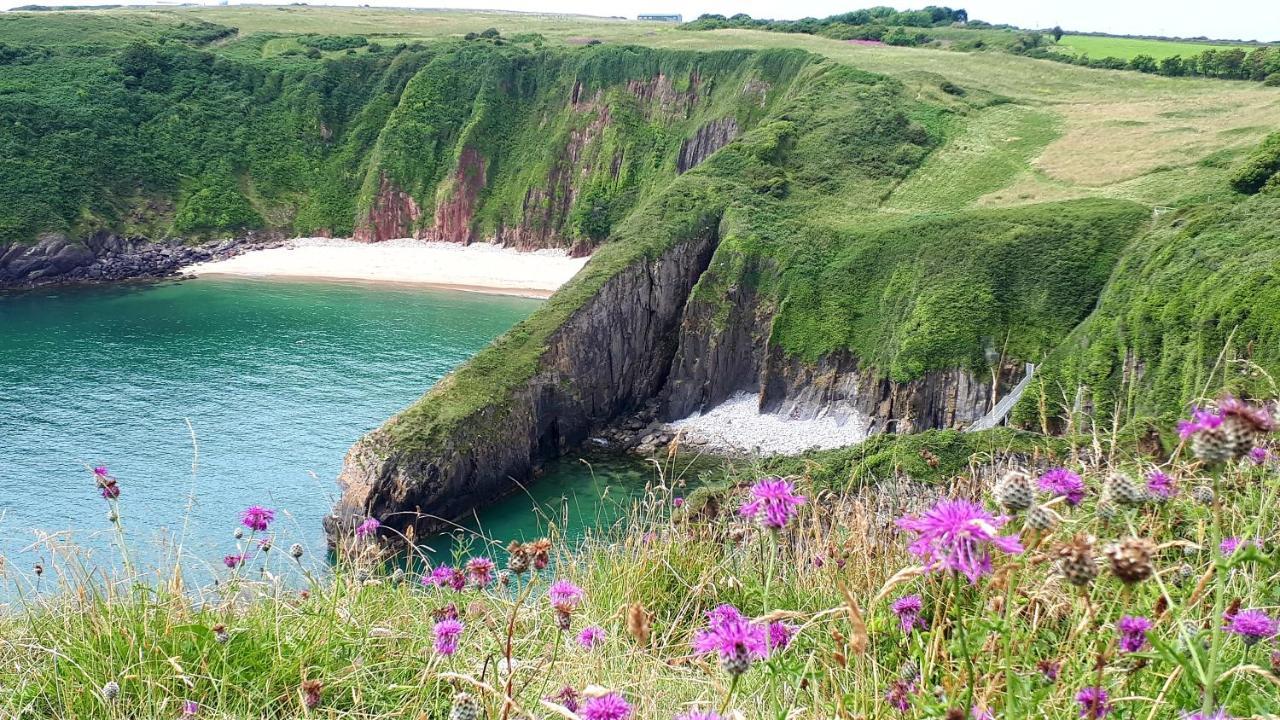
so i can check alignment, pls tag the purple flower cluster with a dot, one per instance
(733, 637)
(908, 608)
(1062, 482)
(1161, 485)
(610, 706)
(234, 561)
(1133, 633)
(1200, 420)
(1095, 703)
(445, 576)
(480, 570)
(447, 632)
(774, 500)
(368, 527)
(257, 518)
(1253, 626)
(958, 535)
(591, 636)
(899, 694)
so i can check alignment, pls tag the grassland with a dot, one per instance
(1129, 48)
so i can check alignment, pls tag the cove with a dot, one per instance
(277, 379)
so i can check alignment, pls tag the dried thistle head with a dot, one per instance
(639, 623)
(311, 690)
(1076, 560)
(1131, 559)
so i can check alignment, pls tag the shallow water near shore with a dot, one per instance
(277, 380)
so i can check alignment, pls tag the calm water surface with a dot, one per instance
(277, 379)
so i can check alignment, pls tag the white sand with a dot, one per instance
(480, 267)
(736, 425)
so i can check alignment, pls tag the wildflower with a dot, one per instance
(311, 693)
(1121, 488)
(958, 535)
(368, 527)
(736, 639)
(699, 715)
(678, 503)
(1203, 495)
(295, 551)
(444, 575)
(1219, 714)
(518, 558)
(1160, 486)
(610, 706)
(465, 707)
(111, 690)
(1209, 441)
(1131, 559)
(780, 635)
(220, 634)
(257, 518)
(1014, 491)
(1042, 518)
(446, 634)
(1252, 626)
(1229, 545)
(1259, 455)
(1049, 670)
(1275, 663)
(565, 596)
(591, 636)
(908, 608)
(540, 551)
(480, 570)
(1095, 703)
(909, 670)
(190, 708)
(1244, 424)
(234, 561)
(1133, 632)
(567, 697)
(899, 694)
(106, 483)
(1062, 482)
(981, 713)
(774, 500)
(1075, 560)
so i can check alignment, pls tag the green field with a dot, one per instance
(1128, 48)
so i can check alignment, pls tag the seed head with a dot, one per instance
(295, 551)
(465, 707)
(1203, 494)
(1123, 490)
(1131, 559)
(1076, 561)
(1042, 518)
(1014, 492)
(111, 690)
(220, 634)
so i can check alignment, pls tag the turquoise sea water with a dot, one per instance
(277, 379)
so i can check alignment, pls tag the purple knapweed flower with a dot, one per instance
(699, 715)
(1160, 485)
(610, 706)
(234, 561)
(1133, 633)
(257, 518)
(733, 637)
(1095, 703)
(1230, 545)
(480, 570)
(591, 636)
(1259, 455)
(107, 484)
(1252, 626)
(678, 502)
(908, 608)
(1063, 482)
(899, 694)
(567, 697)
(190, 708)
(445, 576)
(565, 596)
(780, 635)
(958, 535)
(981, 713)
(1219, 714)
(774, 501)
(1049, 670)
(1200, 420)
(368, 527)
(446, 634)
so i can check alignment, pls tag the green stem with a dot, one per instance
(964, 642)
(1219, 602)
(728, 697)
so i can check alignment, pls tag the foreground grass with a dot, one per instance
(1020, 642)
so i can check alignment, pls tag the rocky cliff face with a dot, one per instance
(105, 257)
(709, 138)
(611, 356)
(394, 214)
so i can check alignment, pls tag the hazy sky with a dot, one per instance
(1239, 19)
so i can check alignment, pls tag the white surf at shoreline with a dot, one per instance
(479, 267)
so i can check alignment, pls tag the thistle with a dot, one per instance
(465, 707)
(111, 690)
(1076, 561)
(1014, 492)
(1042, 518)
(1122, 489)
(1131, 559)
(1203, 494)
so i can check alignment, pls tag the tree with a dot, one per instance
(1172, 66)
(1057, 33)
(1144, 63)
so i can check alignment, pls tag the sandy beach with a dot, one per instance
(480, 267)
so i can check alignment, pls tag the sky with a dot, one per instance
(1222, 19)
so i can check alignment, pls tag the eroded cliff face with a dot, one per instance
(394, 215)
(709, 138)
(612, 355)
